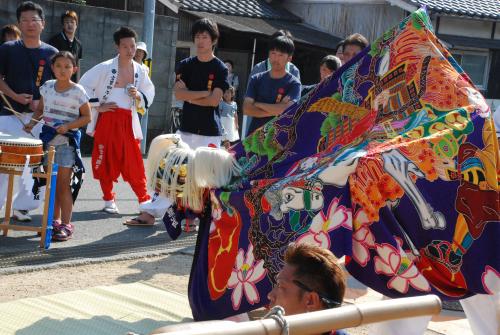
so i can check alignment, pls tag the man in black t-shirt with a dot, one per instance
(67, 41)
(200, 83)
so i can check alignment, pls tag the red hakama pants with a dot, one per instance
(116, 152)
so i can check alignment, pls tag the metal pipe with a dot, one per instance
(147, 36)
(253, 51)
(320, 321)
(246, 120)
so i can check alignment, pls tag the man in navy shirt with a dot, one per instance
(24, 67)
(265, 65)
(270, 93)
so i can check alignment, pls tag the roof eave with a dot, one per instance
(403, 5)
(466, 15)
(171, 4)
(410, 6)
(280, 13)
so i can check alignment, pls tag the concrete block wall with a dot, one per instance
(95, 31)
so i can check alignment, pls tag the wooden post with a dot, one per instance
(46, 203)
(8, 203)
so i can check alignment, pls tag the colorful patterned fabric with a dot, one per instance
(392, 162)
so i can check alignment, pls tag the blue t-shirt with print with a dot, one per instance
(201, 76)
(263, 88)
(25, 70)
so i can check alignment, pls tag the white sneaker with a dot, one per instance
(110, 207)
(21, 215)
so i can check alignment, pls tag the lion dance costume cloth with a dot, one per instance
(392, 162)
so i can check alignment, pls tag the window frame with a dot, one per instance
(478, 52)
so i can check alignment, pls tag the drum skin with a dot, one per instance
(14, 150)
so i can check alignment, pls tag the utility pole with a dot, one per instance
(246, 119)
(148, 36)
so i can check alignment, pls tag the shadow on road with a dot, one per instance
(94, 215)
(137, 240)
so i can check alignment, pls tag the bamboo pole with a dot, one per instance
(48, 193)
(320, 321)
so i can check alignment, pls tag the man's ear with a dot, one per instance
(75, 69)
(290, 58)
(313, 302)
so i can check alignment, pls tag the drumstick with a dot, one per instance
(16, 113)
(21, 114)
(10, 108)
(5, 100)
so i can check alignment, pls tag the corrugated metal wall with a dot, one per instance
(112, 4)
(185, 23)
(345, 19)
(130, 5)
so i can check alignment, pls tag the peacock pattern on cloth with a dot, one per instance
(393, 162)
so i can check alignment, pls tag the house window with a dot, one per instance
(475, 64)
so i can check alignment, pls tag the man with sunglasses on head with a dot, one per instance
(311, 280)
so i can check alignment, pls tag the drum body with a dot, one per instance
(14, 150)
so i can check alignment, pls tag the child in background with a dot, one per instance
(65, 108)
(228, 111)
(9, 32)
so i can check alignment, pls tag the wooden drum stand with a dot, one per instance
(5, 226)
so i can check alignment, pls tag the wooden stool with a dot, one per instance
(5, 226)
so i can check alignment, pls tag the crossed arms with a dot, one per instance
(260, 109)
(200, 98)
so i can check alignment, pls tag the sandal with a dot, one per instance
(65, 232)
(138, 222)
(56, 227)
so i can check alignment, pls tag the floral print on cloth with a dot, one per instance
(391, 162)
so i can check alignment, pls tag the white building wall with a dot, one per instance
(465, 27)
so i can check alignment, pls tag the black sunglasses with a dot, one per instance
(330, 303)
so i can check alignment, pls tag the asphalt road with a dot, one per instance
(97, 234)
